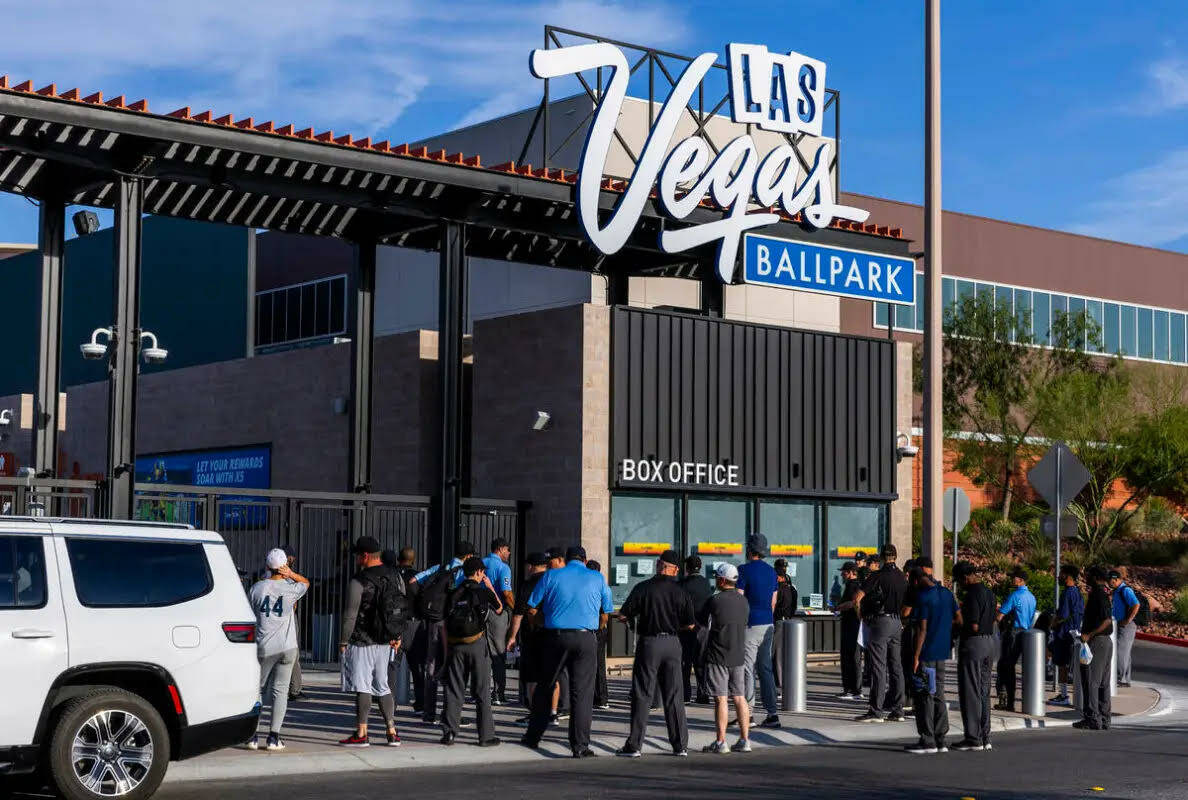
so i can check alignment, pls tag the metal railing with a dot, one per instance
(319, 526)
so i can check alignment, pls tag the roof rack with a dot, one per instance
(109, 522)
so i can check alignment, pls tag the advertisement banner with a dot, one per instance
(242, 467)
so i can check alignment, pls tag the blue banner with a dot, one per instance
(241, 467)
(830, 270)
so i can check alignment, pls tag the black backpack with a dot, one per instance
(467, 615)
(390, 609)
(1143, 618)
(431, 602)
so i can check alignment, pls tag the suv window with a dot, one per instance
(126, 573)
(22, 572)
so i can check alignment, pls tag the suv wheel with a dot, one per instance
(109, 743)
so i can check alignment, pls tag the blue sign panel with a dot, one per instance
(830, 270)
(246, 467)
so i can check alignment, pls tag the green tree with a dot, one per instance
(996, 386)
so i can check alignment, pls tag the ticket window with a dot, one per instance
(793, 531)
(717, 530)
(853, 528)
(642, 527)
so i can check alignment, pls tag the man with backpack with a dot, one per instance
(432, 588)
(1126, 608)
(468, 608)
(373, 620)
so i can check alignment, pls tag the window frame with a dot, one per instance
(333, 289)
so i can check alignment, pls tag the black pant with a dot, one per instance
(657, 660)
(429, 661)
(1096, 680)
(932, 711)
(851, 656)
(561, 649)
(465, 660)
(692, 643)
(1012, 651)
(499, 676)
(886, 664)
(601, 694)
(973, 668)
(907, 650)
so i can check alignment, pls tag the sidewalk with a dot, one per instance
(314, 726)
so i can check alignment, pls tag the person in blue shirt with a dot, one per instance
(1066, 630)
(1126, 608)
(499, 573)
(934, 611)
(429, 648)
(574, 603)
(758, 583)
(1015, 615)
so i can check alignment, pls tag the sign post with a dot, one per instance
(956, 513)
(1058, 477)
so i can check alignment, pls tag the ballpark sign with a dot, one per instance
(773, 91)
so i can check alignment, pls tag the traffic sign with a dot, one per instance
(1059, 476)
(956, 511)
(1068, 526)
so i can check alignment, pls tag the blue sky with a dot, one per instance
(1070, 115)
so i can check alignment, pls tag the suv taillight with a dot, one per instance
(240, 632)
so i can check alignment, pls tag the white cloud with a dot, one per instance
(1144, 206)
(349, 66)
(1169, 78)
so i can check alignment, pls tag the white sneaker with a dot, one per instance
(716, 747)
(741, 746)
(254, 743)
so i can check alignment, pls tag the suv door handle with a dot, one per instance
(32, 633)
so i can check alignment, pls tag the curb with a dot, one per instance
(1152, 637)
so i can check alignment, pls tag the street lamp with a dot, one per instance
(95, 349)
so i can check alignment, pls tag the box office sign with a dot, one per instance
(782, 92)
(651, 472)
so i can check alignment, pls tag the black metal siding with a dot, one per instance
(799, 412)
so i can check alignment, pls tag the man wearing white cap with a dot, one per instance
(273, 599)
(725, 617)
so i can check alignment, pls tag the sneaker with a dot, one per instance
(494, 741)
(524, 720)
(681, 753)
(1086, 725)
(944, 748)
(772, 721)
(716, 747)
(1061, 700)
(393, 739)
(584, 753)
(1003, 705)
(603, 706)
(741, 746)
(495, 701)
(897, 716)
(845, 696)
(920, 749)
(627, 752)
(274, 742)
(967, 746)
(987, 747)
(447, 739)
(253, 743)
(355, 740)
(870, 716)
(734, 722)
(859, 697)
(555, 718)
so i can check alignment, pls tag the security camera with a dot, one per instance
(93, 351)
(6, 417)
(907, 451)
(543, 419)
(154, 355)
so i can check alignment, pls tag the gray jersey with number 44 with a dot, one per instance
(273, 602)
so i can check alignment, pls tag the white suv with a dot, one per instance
(122, 646)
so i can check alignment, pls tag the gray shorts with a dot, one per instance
(723, 681)
(365, 669)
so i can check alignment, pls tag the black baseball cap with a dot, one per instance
(757, 544)
(537, 559)
(1019, 572)
(849, 566)
(924, 562)
(1112, 574)
(366, 545)
(888, 552)
(464, 549)
(671, 557)
(575, 553)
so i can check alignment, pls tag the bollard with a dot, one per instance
(1035, 662)
(793, 635)
(1113, 658)
(401, 689)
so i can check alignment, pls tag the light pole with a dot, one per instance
(934, 445)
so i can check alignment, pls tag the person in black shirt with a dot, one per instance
(601, 692)
(911, 572)
(787, 600)
(402, 563)
(525, 630)
(725, 616)
(467, 609)
(975, 655)
(881, 599)
(1095, 631)
(851, 654)
(693, 642)
(660, 610)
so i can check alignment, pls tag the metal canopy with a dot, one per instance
(263, 177)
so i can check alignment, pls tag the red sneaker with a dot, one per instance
(354, 740)
(393, 739)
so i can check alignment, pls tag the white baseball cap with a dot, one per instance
(727, 572)
(276, 558)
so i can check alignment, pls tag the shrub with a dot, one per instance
(1022, 513)
(1041, 584)
(1160, 552)
(1182, 569)
(1000, 563)
(1180, 606)
(982, 518)
(993, 540)
(1160, 517)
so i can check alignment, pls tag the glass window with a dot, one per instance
(881, 314)
(965, 289)
(1177, 339)
(793, 533)
(1023, 312)
(1059, 304)
(905, 317)
(1161, 343)
(1146, 348)
(717, 530)
(1109, 328)
(338, 304)
(642, 527)
(985, 290)
(1076, 313)
(22, 572)
(1093, 307)
(1129, 346)
(263, 319)
(920, 301)
(1041, 318)
(137, 574)
(852, 528)
(323, 308)
(948, 291)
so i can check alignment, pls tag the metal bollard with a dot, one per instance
(401, 689)
(1113, 658)
(1035, 661)
(793, 635)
